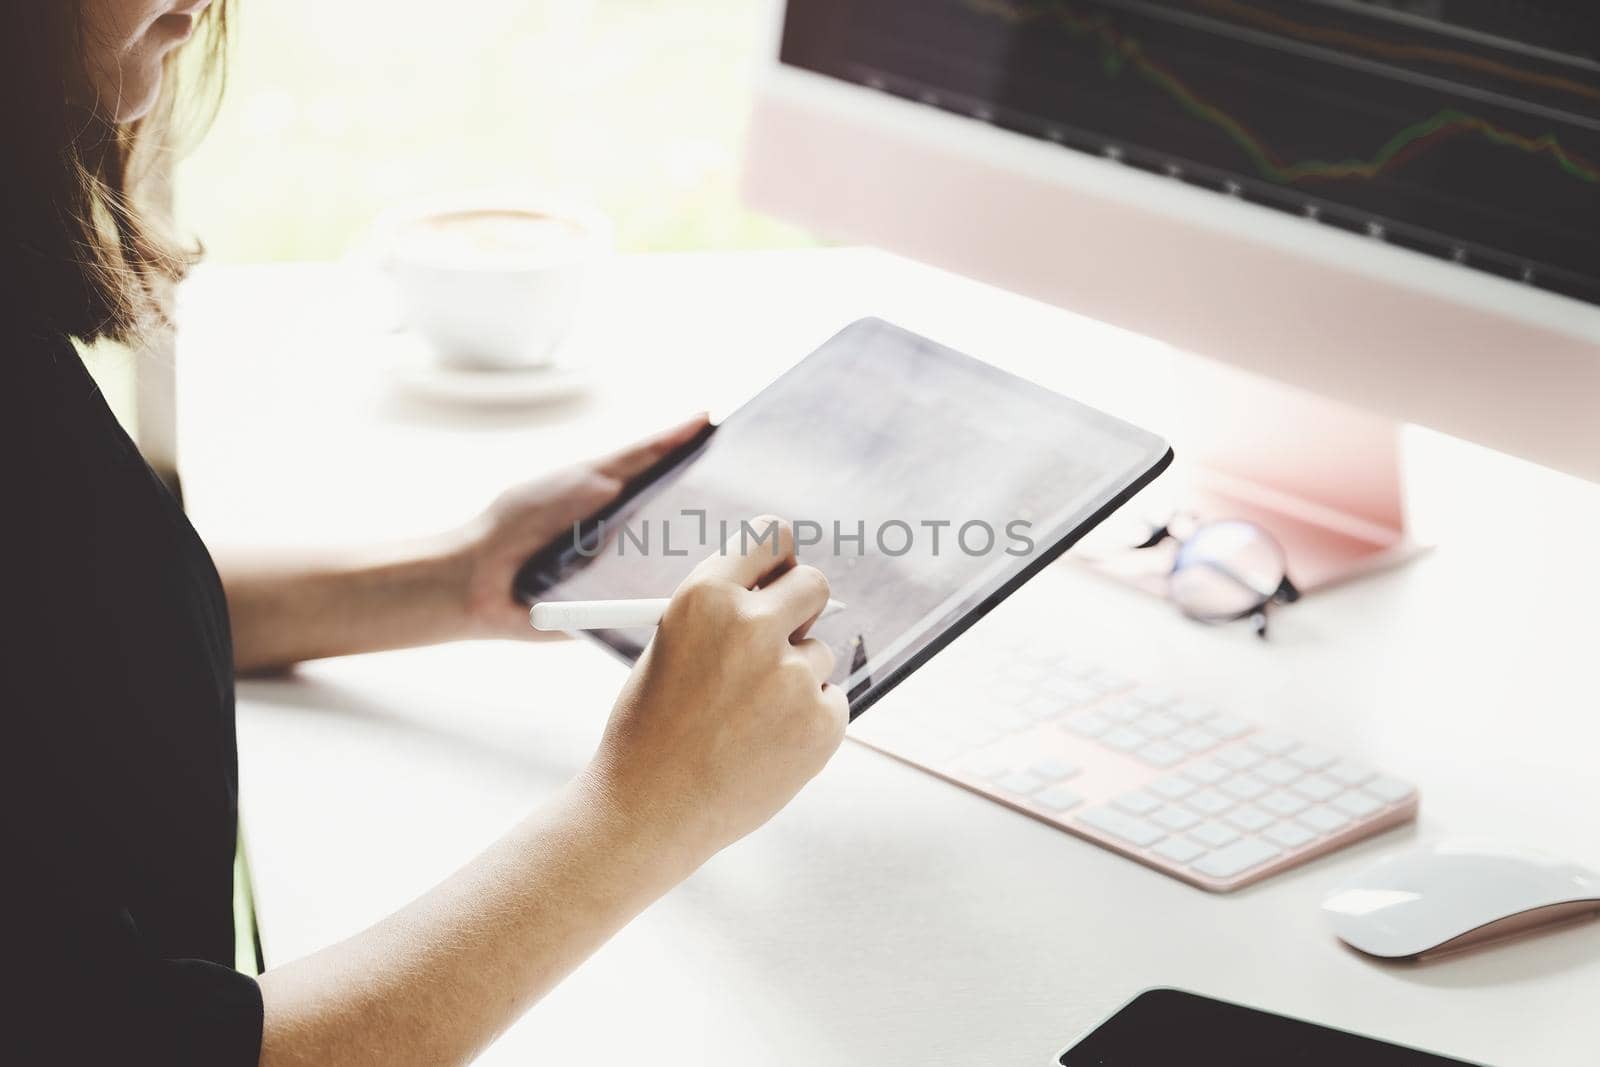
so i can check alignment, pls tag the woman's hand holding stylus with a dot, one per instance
(724, 718)
(728, 713)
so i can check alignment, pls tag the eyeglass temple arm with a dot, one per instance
(1158, 535)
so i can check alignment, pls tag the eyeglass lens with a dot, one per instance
(1226, 570)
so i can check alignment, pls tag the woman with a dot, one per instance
(117, 688)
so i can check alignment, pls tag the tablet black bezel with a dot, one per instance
(1035, 564)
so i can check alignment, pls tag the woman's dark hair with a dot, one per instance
(84, 247)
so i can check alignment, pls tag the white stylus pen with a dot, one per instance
(612, 614)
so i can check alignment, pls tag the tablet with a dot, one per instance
(1170, 1026)
(925, 484)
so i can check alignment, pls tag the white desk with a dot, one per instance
(885, 917)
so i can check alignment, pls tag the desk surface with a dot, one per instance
(885, 917)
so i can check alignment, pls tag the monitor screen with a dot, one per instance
(1465, 129)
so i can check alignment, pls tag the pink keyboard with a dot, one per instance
(1177, 784)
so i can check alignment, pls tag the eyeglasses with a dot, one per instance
(1224, 571)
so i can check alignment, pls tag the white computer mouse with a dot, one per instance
(1446, 897)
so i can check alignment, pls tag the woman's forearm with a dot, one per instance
(288, 607)
(726, 715)
(437, 981)
(285, 607)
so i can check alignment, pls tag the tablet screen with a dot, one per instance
(926, 485)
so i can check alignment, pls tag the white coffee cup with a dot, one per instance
(492, 282)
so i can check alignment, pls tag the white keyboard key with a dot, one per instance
(1175, 819)
(974, 732)
(1087, 723)
(1174, 788)
(1192, 711)
(1124, 739)
(1227, 727)
(1310, 757)
(1135, 831)
(1123, 711)
(1059, 686)
(1357, 804)
(1273, 744)
(1239, 758)
(1194, 740)
(988, 766)
(1069, 692)
(1245, 787)
(1351, 774)
(1158, 724)
(1206, 772)
(1041, 709)
(1006, 719)
(1052, 659)
(1288, 835)
(1389, 790)
(1020, 782)
(1094, 683)
(1139, 802)
(1161, 754)
(1249, 818)
(1178, 850)
(1236, 858)
(1054, 770)
(1283, 805)
(1318, 789)
(1278, 772)
(1058, 798)
(1323, 820)
(1078, 670)
(1082, 695)
(1153, 696)
(1209, 802)
(1214, 834)
(1109, 681)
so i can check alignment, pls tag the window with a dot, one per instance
(335, 112)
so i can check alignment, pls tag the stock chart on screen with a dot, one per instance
(1465, 129)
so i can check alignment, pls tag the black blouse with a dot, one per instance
(118, 770)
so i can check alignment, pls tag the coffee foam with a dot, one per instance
(495, 238)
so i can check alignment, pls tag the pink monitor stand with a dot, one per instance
(1322, 477)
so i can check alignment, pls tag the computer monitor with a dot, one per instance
(1389, 207)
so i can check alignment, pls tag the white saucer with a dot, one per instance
(416, 371)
